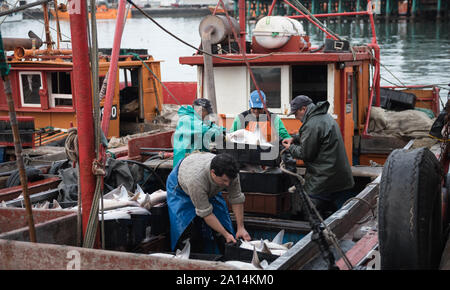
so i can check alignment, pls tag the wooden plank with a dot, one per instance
(33, 187)
(359, 250)
(37, 256)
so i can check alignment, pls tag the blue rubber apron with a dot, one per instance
(182, 210)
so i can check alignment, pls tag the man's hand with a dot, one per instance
(242, 233)
(287, 142)
(229, 238)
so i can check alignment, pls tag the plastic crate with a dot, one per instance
(268, 182)
(160, 219)
(396, 100)
(252, 154)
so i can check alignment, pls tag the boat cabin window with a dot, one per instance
(30, 84)
(269, 81)
(60, 89)
(310, 80)
(130, 99)
(129, 94)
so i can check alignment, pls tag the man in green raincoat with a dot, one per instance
(194, 132)
(320, 145)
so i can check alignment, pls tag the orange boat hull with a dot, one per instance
(100, 14)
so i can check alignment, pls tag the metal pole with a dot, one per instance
(112, 72)
(208, 69)
(413, 8)
(438, 9)
(17, 144)
(242, 24)
(271, 7)
(83, 93)
(388, 8)
(48, 38)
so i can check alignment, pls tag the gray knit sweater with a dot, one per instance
(194, 177)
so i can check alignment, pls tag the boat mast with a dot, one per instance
(83, 93)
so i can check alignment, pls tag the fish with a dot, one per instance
(244, 136)
(254, 265)
(146, 200)
(274, 247)
(179, 254)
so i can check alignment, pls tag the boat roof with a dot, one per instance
(359, 53)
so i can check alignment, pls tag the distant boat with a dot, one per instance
(102, 12)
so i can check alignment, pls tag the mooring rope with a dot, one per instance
(71, 149)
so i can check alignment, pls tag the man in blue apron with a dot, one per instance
(197, 209)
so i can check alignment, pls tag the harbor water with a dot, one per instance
(412, 53)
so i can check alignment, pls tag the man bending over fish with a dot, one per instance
(197, 209)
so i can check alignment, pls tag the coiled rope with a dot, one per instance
(71, 149)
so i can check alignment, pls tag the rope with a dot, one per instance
(329, 234)
(71, 145)
(305, 10)
(71, 149)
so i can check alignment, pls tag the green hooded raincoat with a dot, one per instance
(320, 145)
(192, 133)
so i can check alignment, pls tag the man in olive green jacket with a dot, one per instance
(321, 147)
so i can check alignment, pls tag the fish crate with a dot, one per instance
(26, 131)
(233, 252)
(266, 182)
(126, 234)
(396, 100)
(160, 219)
(265, 203)
(117, 234)
(252, 154)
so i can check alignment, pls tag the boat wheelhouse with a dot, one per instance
(42, 87)
(283, 63)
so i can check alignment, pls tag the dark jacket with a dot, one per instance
(320, 145)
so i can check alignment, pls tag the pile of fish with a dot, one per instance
(274, 247)
(120, 197)
(184, 254)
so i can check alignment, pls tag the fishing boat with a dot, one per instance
(336, 72)
(103, 11)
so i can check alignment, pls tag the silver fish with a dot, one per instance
(179, 254)
(274, 247)
(254, 265)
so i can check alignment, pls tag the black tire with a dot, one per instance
(33, 174)
(409, 211)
